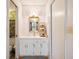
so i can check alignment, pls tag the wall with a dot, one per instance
(58, 26)
(58, 18)
(28, 11)
(69, 31)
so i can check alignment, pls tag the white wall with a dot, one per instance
(58, 11)
(24, 11)
(28, 11)
(69, 31)
(58, 17)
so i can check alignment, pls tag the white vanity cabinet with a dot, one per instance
(33, 47)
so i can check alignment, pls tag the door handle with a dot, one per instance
(16, 35)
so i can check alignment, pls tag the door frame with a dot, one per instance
(7, 30)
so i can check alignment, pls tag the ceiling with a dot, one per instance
(33, 2)
(11, 5)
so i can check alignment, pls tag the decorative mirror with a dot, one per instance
(33, 24)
